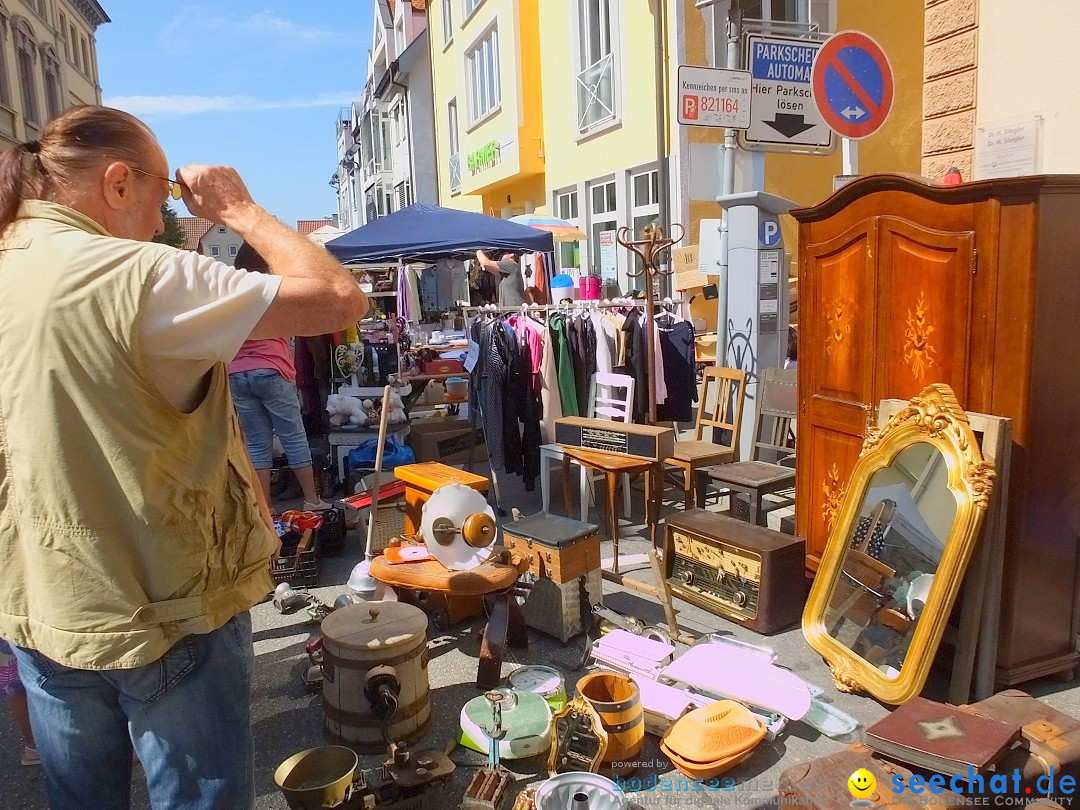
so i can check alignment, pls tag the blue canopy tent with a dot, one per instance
(424, 232)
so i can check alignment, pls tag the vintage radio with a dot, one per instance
(748, 574)
(621, 438)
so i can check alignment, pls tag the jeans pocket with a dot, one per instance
(149, 683)
(35, 666)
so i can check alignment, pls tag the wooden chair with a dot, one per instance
(725, 413)
(774, 436)
(604, 403)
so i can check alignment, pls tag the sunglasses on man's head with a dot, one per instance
(176, 189)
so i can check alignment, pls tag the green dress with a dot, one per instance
(564, 364)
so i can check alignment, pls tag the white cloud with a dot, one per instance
(199, 23)
(175, 105)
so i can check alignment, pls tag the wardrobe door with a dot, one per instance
(925, 279)
(836, 368)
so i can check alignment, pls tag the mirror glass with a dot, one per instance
(892, 555)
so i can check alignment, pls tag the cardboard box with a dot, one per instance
(446, 441)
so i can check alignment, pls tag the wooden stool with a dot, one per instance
(423, 479)
(754, 479)
(428, 584)
(613, 467)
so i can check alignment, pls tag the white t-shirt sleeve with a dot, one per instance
(198, 313)
(202, 309)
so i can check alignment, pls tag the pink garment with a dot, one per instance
(532, 332)
(274, 353)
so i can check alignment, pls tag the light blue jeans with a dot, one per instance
(188, 715)
(267, 403)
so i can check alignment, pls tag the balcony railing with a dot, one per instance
(455, 171)
(596, 94)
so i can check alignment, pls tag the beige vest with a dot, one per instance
(124, 523)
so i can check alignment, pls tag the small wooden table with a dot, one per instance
(613, 467)
(424, 478)
(755, 479)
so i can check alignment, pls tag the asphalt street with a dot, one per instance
(287, 716)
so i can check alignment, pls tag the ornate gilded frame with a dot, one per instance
(576, 721)
(935, 417)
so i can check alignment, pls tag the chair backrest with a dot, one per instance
(605, 403)
(722, 411)
(777, 406)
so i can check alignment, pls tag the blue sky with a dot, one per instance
(254, 84)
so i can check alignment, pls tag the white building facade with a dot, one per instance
(386, 140)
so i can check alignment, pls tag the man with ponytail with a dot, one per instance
(133, 534)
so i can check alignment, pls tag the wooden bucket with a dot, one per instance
(618, 702)
(357, 639)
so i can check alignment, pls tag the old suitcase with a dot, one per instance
(557, 548)
(1051, 739)
(823, 784)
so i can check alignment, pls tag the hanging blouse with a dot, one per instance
(605, 341)
(550, 400)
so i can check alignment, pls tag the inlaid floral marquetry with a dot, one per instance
(833, 490)
(838, 321)
(918, 350)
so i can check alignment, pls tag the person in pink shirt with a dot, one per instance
(262, 379)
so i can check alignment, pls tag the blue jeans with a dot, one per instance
(267, 403)
(188, 715)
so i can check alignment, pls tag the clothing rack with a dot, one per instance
(569, 306)
(566, 306)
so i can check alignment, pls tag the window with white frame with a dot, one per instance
(455, 156)
(447, 21)
(644, 209)
(232, 250)
(775, 10)
(566, 207)
(596, 79)
(470, 6)
(603, 204)
(399, 35)
(482, 63)
(215, 250)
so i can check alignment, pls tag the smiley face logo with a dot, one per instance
(861, 784)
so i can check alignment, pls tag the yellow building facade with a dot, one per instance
(570, 129)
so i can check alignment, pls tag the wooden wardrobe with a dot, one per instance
(903, 284)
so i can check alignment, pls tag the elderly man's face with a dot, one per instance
(143, 220)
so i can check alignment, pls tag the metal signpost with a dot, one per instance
(853, 89)
(784, 115)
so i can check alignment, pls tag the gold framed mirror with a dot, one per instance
(899, 548)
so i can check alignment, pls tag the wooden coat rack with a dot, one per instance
(649, 249)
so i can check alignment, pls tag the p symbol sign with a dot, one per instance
(690, 107)
(769, 233)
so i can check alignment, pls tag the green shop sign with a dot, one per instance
(484, 157)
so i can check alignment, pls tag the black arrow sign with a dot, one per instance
(789, 125)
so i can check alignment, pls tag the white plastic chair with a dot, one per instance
(604, 403)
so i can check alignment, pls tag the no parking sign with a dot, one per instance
(853, 84)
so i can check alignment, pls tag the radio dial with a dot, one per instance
(687, 577)
(739, 598)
